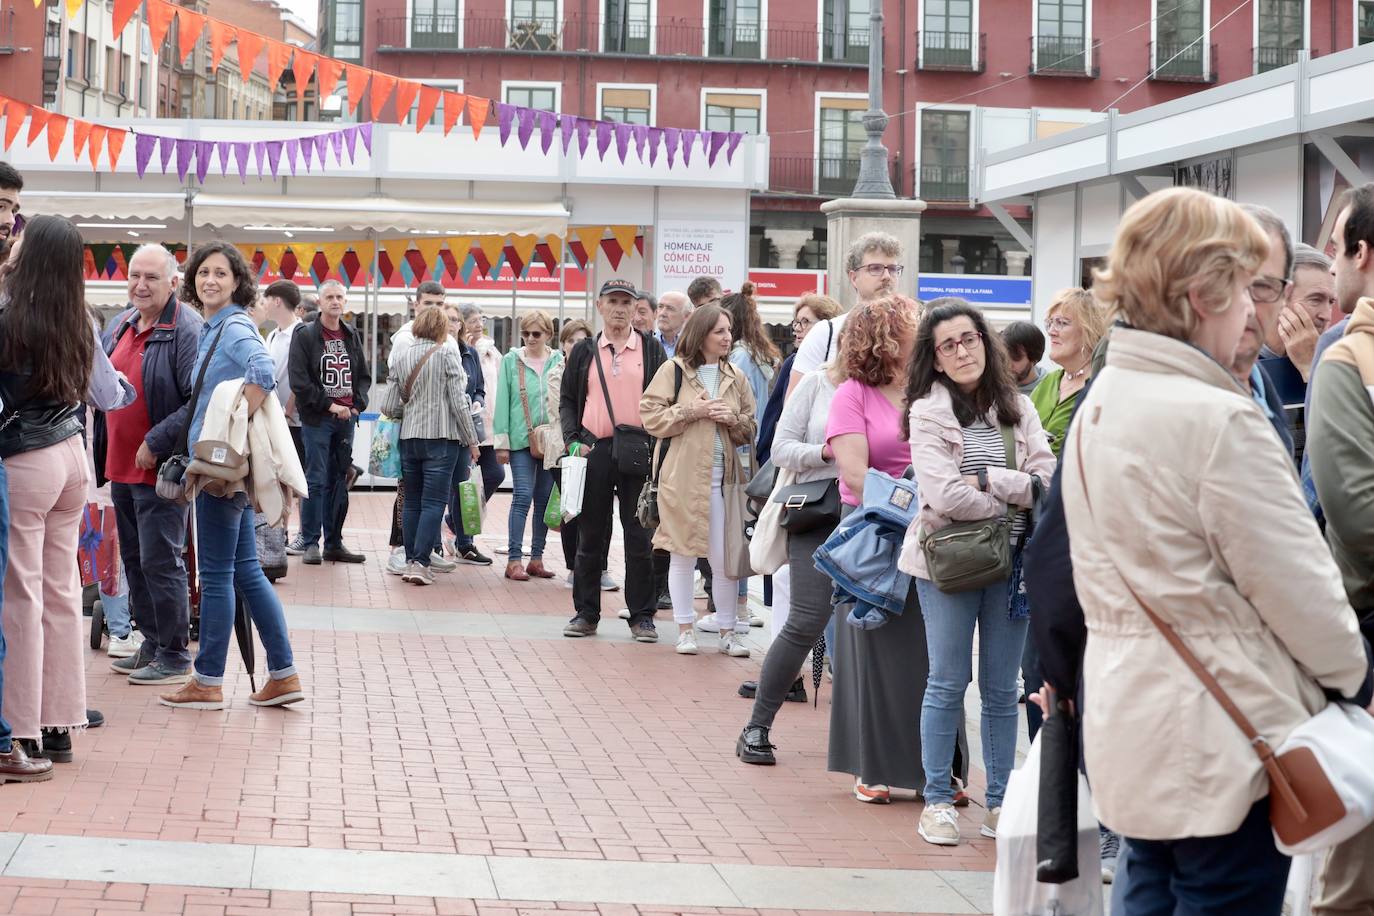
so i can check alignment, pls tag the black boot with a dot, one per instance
(32, 749)
(753, 746)
(57, 746)
(795, 694)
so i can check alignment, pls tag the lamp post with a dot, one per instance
(874, 180)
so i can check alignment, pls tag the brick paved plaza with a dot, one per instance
(456, 754)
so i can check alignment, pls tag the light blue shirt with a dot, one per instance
(1258, 393)
(240, 354)
(756, 376)
(669, 348)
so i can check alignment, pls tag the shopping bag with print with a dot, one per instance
(470, 505)
(384, 460)
(553, 513)
(574, 468)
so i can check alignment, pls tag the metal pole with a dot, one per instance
(562, 274)
(514, 282)
(874, 180)
(376, 298)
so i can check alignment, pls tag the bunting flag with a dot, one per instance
(250, 45)
(278, 56)
(357, 85)
(222, 35)
(454, 103)
(38, 120)
(310, 149)
(478, 109)
(159, 18)
(57, 129)
(302, 68)
(189, 26)
(81, 132)
(406, 90)
(429, 101)
(124, 11)
(327, 74)
(614, 253)
(520, 250)
(382, 86)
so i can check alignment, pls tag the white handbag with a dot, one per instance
(574, 483)
(1341, 737)
(768, 549)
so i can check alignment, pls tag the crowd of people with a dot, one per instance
(918, 478)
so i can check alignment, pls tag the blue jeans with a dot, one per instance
(152, 537)
(462, 466)
(228, 546)
(116, 609)
(950, 621)
(427, 467)
(6, 745)
(530, 482)
(328, 455)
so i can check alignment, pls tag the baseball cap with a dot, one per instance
(618, 286)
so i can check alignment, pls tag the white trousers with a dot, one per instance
(682, 568)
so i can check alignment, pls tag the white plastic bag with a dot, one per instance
(1302, 885)
(574, 469)
(768, 548)
(1015, 892)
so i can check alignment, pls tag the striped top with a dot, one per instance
(438, 407)
(709, 376)
(984, 448)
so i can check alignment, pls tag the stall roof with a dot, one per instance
(384, 214)
(112, 205)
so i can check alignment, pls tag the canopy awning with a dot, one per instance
(106, 205)
(384, 214)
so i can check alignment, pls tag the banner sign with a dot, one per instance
(691, 248)
(978, 290)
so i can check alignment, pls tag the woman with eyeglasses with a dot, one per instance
(521, 407)
(965, 415)
(1074, 326)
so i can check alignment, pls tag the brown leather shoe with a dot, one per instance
(194, 695)
(536, 569)
(516, 572)
(279, 692)
(17, 766)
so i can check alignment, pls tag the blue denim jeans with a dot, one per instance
(152, 538)
(328, 454)
(530, 483)
(950, 621)
(6, 745)
(462, 466)
(427, 467)
(116, 608)
(228, 546)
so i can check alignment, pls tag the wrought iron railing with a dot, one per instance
(1057, 55)
(1183, 61)
(959, 51)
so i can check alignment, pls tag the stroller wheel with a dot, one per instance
(97, 625)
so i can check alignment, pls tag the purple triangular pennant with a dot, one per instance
(293, 150)
(336, 141)
(655, 138)
(641, 134)
(222, 149)
(526, 128)
(185, 149)
(143, 151)
(241, 159)
(365, 134)
(204, 150)
(165, 147)
(350, 135)
(671, 137)
(732, 145)
(689, 139)
(604, 129)
(308, 152)
(505, 117)
(259, 151)
(717, 144)
(622, 141)
(566, 123)
(547, 120)
(321, 142)
(274, 148)
(584, 133)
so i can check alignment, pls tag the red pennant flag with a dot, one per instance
(479, 260)
(357, 85)
(327, 73)
(429, 102)
(513, 259)
(418, 267)
(114, 143)
(38, 119)
(405, 98)
(160, 15)
(614, 253)
(222, 35)
(98, 134)
(301, 68)
(57, 131)
(545, 254)
(454, 103)
(449, 263)
(250, 46)
(124, 11)
(288, 265)
(17, 112)
(81, 132)
(477, 114)
(579, 253)
(382, 84)
(278, 55)
(189, 27)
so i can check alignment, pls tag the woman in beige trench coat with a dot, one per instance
(699, 432)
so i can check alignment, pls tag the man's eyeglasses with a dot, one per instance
(1268, 289)
(969, 340)
(877, 270)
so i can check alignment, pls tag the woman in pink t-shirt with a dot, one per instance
(880, 675)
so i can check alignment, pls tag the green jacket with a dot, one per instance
(511, 431)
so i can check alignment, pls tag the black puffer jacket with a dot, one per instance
(573, 396)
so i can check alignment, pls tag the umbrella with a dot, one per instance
(243, 632)
(817, 666)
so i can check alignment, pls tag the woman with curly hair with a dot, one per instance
(880, 675)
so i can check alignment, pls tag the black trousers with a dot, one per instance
(605, 486)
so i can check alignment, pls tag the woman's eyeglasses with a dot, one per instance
(801, 324)
(969, 340)
(1058, 324)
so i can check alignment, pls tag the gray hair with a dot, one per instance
(154, 247)
(872, 241)
(1307, 256)
(683, 302)
(469, 309)
(329, 283)
(1269, 221)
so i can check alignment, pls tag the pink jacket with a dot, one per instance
(937, 450)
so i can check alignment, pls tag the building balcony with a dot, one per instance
(850, 46)
(1054, 55)
(1267, 58)
(961, 52)
(944, 183)
(1183, 62)
(7, 30)
(817, 177)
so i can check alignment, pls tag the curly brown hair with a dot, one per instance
(871, 343)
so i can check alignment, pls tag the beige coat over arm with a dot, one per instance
(684, 489)
(1196, 504)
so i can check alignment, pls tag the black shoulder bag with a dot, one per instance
(632, 448)
(646, 510)
(171, 476)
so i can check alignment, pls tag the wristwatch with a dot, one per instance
(983, 479)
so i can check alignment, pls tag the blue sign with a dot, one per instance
(976, 289)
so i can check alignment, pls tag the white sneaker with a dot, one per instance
(939, 825)
(440, 563)
(755, 620)
(989, 828)
(699, 587)
(418, 575)
(608, 584)
(624, 613)
(568, 583)
(708, 624)
(125, 647)
(687, 643)
(396, 563)
(732, 644)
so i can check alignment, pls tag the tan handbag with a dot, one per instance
(737, 518)
(541, 436)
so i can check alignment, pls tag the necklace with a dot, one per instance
(1077, 373)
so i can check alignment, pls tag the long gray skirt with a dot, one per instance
(875, 711)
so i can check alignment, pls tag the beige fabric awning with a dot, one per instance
(106, 205)
(384, 214)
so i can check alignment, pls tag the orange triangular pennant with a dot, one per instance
(189, 26)
(327, 73)
(97, 144)
(160, 15)
(114, 144)
(454, 103)
(278, 56)
(429, 250)
(405, 98)
(491, 246)
(222, 35)
(250, 46)
(81, 132)
(124, 11)
(382, 84)
(429, 101)
(590, 237)
(357, 85)
(38, 119)
(302, 67)
(625, 236)
(477, 114)
(57, 130)
(523, 246)
(17, 112)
